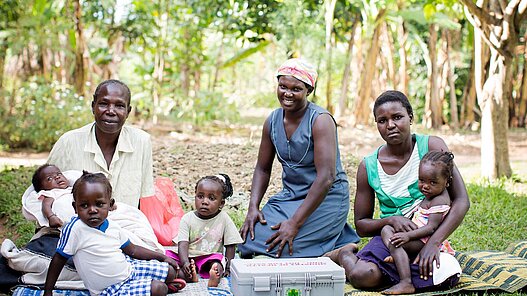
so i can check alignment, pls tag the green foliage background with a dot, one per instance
(40, 113)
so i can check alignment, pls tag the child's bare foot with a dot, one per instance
(400, 288)
(388, 259)
(194, 274)
(215, 276)
(334, 255)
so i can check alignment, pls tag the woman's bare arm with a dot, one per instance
(260, 182)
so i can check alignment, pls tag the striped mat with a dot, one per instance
(482, 271)
(192, 289)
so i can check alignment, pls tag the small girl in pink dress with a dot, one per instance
(205, 232)
(435, 175)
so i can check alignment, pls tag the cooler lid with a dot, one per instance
(256, 267)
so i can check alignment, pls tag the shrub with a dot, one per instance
(38, 113)
(206, 106)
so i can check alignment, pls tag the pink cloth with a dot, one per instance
(420, 218)
(200, 262)
(300, 69)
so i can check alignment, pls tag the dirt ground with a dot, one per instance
(187, 154)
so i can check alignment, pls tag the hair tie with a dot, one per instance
(222, 178)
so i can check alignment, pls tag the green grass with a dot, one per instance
(13, 183)
(497, 217)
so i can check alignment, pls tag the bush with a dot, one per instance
(207, 106)
(39, 113)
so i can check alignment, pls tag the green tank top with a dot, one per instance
(389, 205)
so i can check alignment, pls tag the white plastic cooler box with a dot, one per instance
(287, 277)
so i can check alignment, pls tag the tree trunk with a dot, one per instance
(218, 62)
(328, 16)
(454, 120)
(159, 66)
(522, 108)
(80, 72)
(387, 56)
(468, 99)
(403, 75)
(433, 114)
(197, 80)
(362, 105)
(3, 52)
(497, 25)
(341, 110)
(116, 43)
(494, 121)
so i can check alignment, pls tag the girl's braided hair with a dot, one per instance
(225, 182)
(92, 178)
(445, 157)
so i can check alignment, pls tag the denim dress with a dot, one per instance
(326, 228)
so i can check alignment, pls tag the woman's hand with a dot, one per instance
(253, 216)
(429, 253)
(402, 224)
(285, 234)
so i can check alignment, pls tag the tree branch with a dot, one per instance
(521, 13)
(509, 26)
(479, 13)
(484, 35)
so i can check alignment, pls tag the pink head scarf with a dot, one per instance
(300, 69)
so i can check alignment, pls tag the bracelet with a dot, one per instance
(49, 217)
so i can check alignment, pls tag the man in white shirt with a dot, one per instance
(123, 153)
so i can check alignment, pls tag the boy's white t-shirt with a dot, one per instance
(208, 236)
(96, 253)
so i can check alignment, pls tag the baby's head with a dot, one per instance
(92, 198)
(48, 177)
(211, 192)
(435, 172)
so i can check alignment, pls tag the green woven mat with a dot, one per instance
(482, 271)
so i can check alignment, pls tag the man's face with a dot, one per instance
(111, 108)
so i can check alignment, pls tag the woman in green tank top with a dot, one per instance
(367, 269)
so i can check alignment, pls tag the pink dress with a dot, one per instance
(420, 218)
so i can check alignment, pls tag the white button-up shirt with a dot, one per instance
(130, 172)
